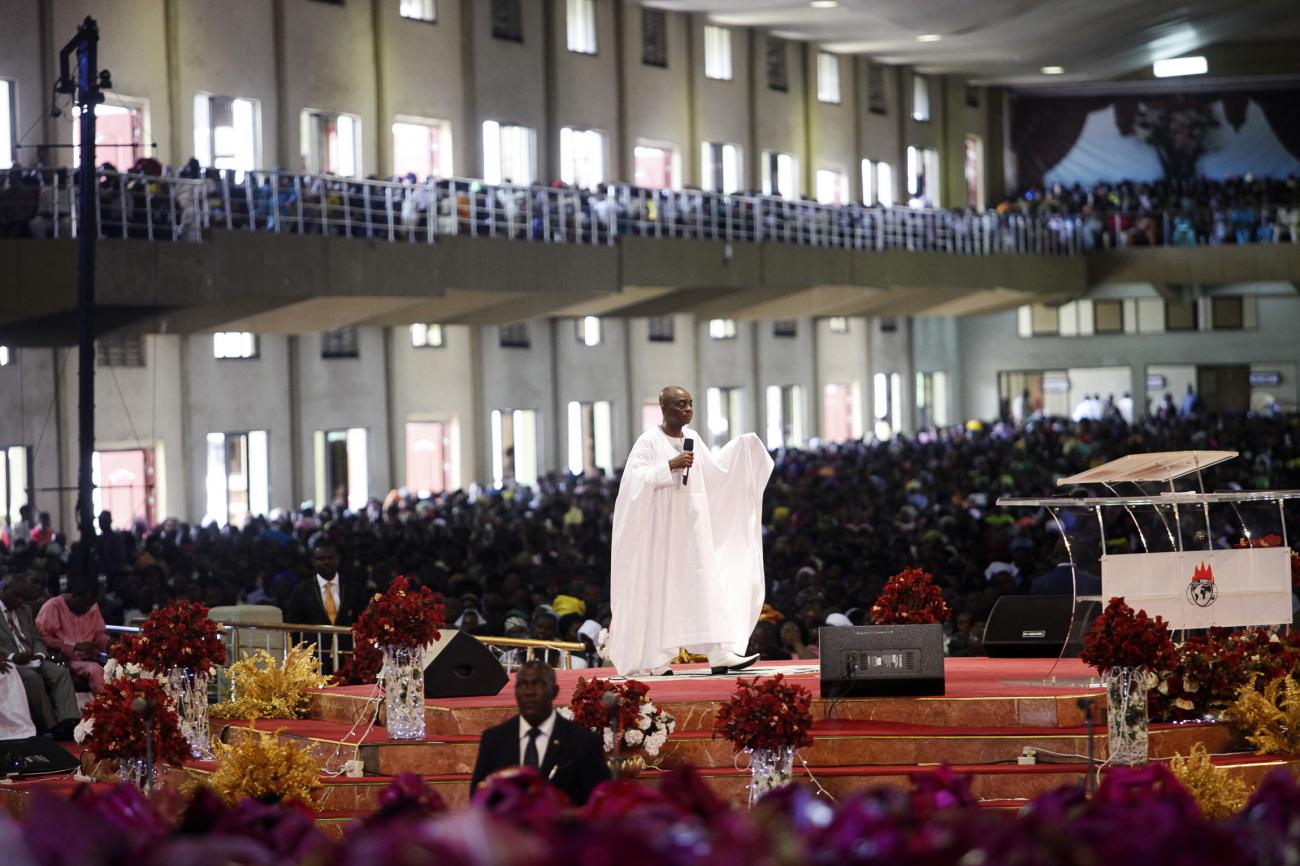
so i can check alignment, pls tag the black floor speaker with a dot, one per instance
(458, 666)
(1035, 626)
(34, 756)
(881, 660)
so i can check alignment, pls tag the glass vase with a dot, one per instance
(188, 690)
(1126, 715)
(403, 679)
(769, 769)
(133, 771)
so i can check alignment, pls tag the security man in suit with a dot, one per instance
(326, 599)
(570, 756)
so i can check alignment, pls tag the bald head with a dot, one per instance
(678, 408)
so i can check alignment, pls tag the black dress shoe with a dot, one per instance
(64, 730)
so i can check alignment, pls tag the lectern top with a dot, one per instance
(1162, 466)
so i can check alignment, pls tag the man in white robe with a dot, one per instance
(686, 570)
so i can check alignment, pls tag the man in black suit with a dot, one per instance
(568, 755)
(51, 696)
(327, 599)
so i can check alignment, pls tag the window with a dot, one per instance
(661, 330)
(923, 176)
(582, 157)
(828, 77)
(422, 147)
(429, 467)
(717, 52)
(514, 336)
(120, 132)
(972, 96)
(973, 171)
(507, 20)
(724, 415)
(920, 98)
(877, 95)
(234, 344)
(721, 167)
(1108, 317)
(888, 404)
(776, 72)
(419, 10)
(125, 350)
(339, 343)
(588, 330)
(581, 21)
(885, 184)
(15, 482)
(343, 468)
(514, 446)
(931, 400)
(427, 336)
(124, 485)
(655, 166)
(331, 143)
(1045, 320)
(841, 412)
(868, 182)
(832, 187)
(780, 174)
(591, 437)
(784, 416)
(1226, 314)
(1180, 316)
(838, 324)
(8, 124)
(238, 477)
(225, 132)
(722, 329)
(654, 37)
(508, 153)
(4, 356)
(785, 328)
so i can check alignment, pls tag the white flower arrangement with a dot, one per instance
(83, 728)
(653, 726)
(113, 670)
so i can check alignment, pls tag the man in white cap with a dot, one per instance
(686, 569)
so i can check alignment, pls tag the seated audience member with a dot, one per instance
(565, 753)
(794, 640)
(15, 718)
(51, 698)
(72, 625)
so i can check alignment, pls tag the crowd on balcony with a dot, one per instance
(839, 520)
(138, 203)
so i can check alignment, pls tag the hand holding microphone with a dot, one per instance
(685, 459)
(688, 448)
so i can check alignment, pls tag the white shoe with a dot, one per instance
(662, 671)
(730, 662)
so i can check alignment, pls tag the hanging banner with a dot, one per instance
(1204, 588)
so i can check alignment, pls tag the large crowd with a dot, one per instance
(839, 520)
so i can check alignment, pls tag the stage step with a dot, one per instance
(835, 744)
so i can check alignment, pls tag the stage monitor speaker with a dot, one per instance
(875, 660)
(1034, 626)
(34, 756)
(458, 666)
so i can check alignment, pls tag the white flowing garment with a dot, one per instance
(15, 718)
(686, 569)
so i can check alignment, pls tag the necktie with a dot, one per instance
(530, 751)
(331, 609)
(19, 638)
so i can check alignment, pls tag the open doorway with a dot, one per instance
(124, 485)
(342, 468)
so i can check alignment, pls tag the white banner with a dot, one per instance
(1204, 588)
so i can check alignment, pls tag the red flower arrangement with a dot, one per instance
(400, 617)
(1275, 541)
(1121, 638)
(1210, 668)
(910, 598)
(766, 713)
(111, 728)
(179, 635)
(641, 724)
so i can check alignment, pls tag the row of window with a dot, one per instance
(1087, 317)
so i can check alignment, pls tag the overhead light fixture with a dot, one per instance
(1176, 66)
(929, 37)
(1053, 70)
(824, 4)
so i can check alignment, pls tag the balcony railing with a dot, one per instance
(131, 205)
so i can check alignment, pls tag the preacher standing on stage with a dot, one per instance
(686, 568)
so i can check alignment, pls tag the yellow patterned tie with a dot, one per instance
(331, 609)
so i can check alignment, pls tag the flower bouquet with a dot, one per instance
(910, 598)
(641, 727)
(1211, 668)
(112, 727)
(768, 718)
(1127, 648)
(401, 623)
(180, 646)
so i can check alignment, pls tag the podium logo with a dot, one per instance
(1202, 591)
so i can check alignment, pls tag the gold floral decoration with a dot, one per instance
(261, 688)
(1218, 793)
(261, 766)
(1270, 720)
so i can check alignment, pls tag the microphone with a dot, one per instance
(142, 707)
(688, 445)
(610, 701)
